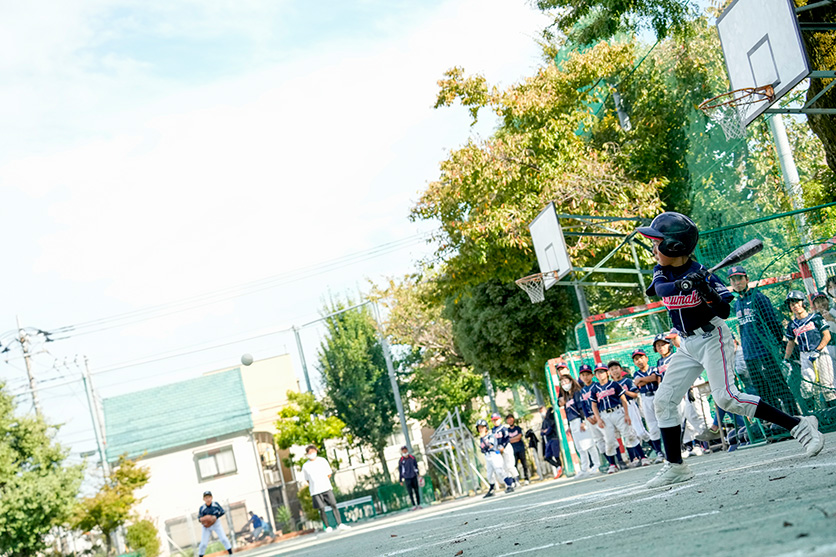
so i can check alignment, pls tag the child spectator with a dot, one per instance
(500, 431)
(585, 374)
(493, 459)
(551, 440)
(515, 437)
(811, 334)
(647, 382)
(609, 404)
(822, 306)
(572, 403)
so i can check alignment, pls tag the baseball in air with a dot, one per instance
(247, 359)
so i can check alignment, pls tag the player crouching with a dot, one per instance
(697, 307)
(493, 459)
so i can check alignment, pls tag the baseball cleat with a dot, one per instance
(807, 433)
(559, 472)
(645, 462)
(670, 474)
(612, 469)
(509, 489)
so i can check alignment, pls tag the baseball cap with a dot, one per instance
(613, 363)
(600, 367)
(561, 365)
(815, 295)
(496, 416)
(205, 493)
(639, 352)
(585, 368)
(737, 271)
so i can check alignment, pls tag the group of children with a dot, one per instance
(503, 447)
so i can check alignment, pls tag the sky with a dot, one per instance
(266, 151)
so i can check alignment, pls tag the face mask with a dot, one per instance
(566, 385)
(543, 414)
(311, 456)
(404, 453)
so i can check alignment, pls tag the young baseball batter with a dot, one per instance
(647, 381)
(811, 334)
(609, 404)
(572, 403)
(211, 508)
(493, 459)
(698, 314)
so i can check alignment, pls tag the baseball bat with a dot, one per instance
(742, 253)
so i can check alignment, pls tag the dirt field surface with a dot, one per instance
(763, 501)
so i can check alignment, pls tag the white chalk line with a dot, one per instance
(611, 532)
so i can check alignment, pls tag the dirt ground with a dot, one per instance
(762, 501)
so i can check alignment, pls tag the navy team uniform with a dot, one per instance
(597, 433)
(503, 438)
(606, 399)
(489, 446)
(816, 367)
(518, 449)
(583, 439)
(698, 314)
(217, 511)
(647, 394)
(633, 407)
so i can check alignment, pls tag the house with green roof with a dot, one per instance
(194, 436)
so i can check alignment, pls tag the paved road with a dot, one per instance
(763, 501)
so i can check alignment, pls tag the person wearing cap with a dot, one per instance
(609, 404)
(503, 438)
(317, 473)
(587, 380)
(211, 508)
(494, 467)
(408, 471)
(515, 438)
(551, 440)
(822, 306)
(811, 334)
(620, 375)
(647, 381)
(572, 403)
(761, 339)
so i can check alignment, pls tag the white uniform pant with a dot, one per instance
(614, 427)
(495, 467)
(584, 444)
(206, 535)
(824, 366)
(650, 416)
(694, 424)
(714, 352)
(636, 419)
(598, 438)
(508, 462)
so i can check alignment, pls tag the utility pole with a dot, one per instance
(98, 429)
(23, 338)
(387, 355)
(302, 359)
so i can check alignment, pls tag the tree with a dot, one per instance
(37, 488)
(356, 379)
(587, 21)
(500, 331)
(111, 507)
(142, 536)
(438, 379)
(305, 421)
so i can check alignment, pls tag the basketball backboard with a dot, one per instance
(762, 45)
(550, 246)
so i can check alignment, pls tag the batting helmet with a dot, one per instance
(816, 295)
(481, 422)
(678, 234)
(796, 296)
(663, 337)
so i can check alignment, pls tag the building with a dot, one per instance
(194, 436)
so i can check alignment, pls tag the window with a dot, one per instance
(215, 463)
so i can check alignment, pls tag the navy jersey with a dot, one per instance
(627, 384)
(647, 388)
(662, 366)
(586, 399)
(759, 324)
(488, 444)
(687, 310)
(500, 432)
(607, 396)
(513, 431)
(215, 509)
(807, 332)
(573, 405)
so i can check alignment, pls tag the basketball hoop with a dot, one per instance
(534, 287)
(729, 109)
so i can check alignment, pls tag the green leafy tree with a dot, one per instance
(141, 535)
(356, 379)
(37, 488)
(112, 506)
(437, 377)
(305, 421)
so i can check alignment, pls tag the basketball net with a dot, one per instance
(729, 109)
(534, 287)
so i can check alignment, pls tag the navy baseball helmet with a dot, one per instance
(481, 422)
(585, 368)
(815, 295)
(796, 296)
(677, 233)
(639, 352)
(662, 337)
(737, 271)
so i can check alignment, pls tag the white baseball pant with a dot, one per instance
(694, 424)
(614, 427)
(649, 411)
(584, 444)
(598, 438)
(508, 462)
(206, 535)
(495, 468)
(636, 419)
(824, 365)
(713, 352)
